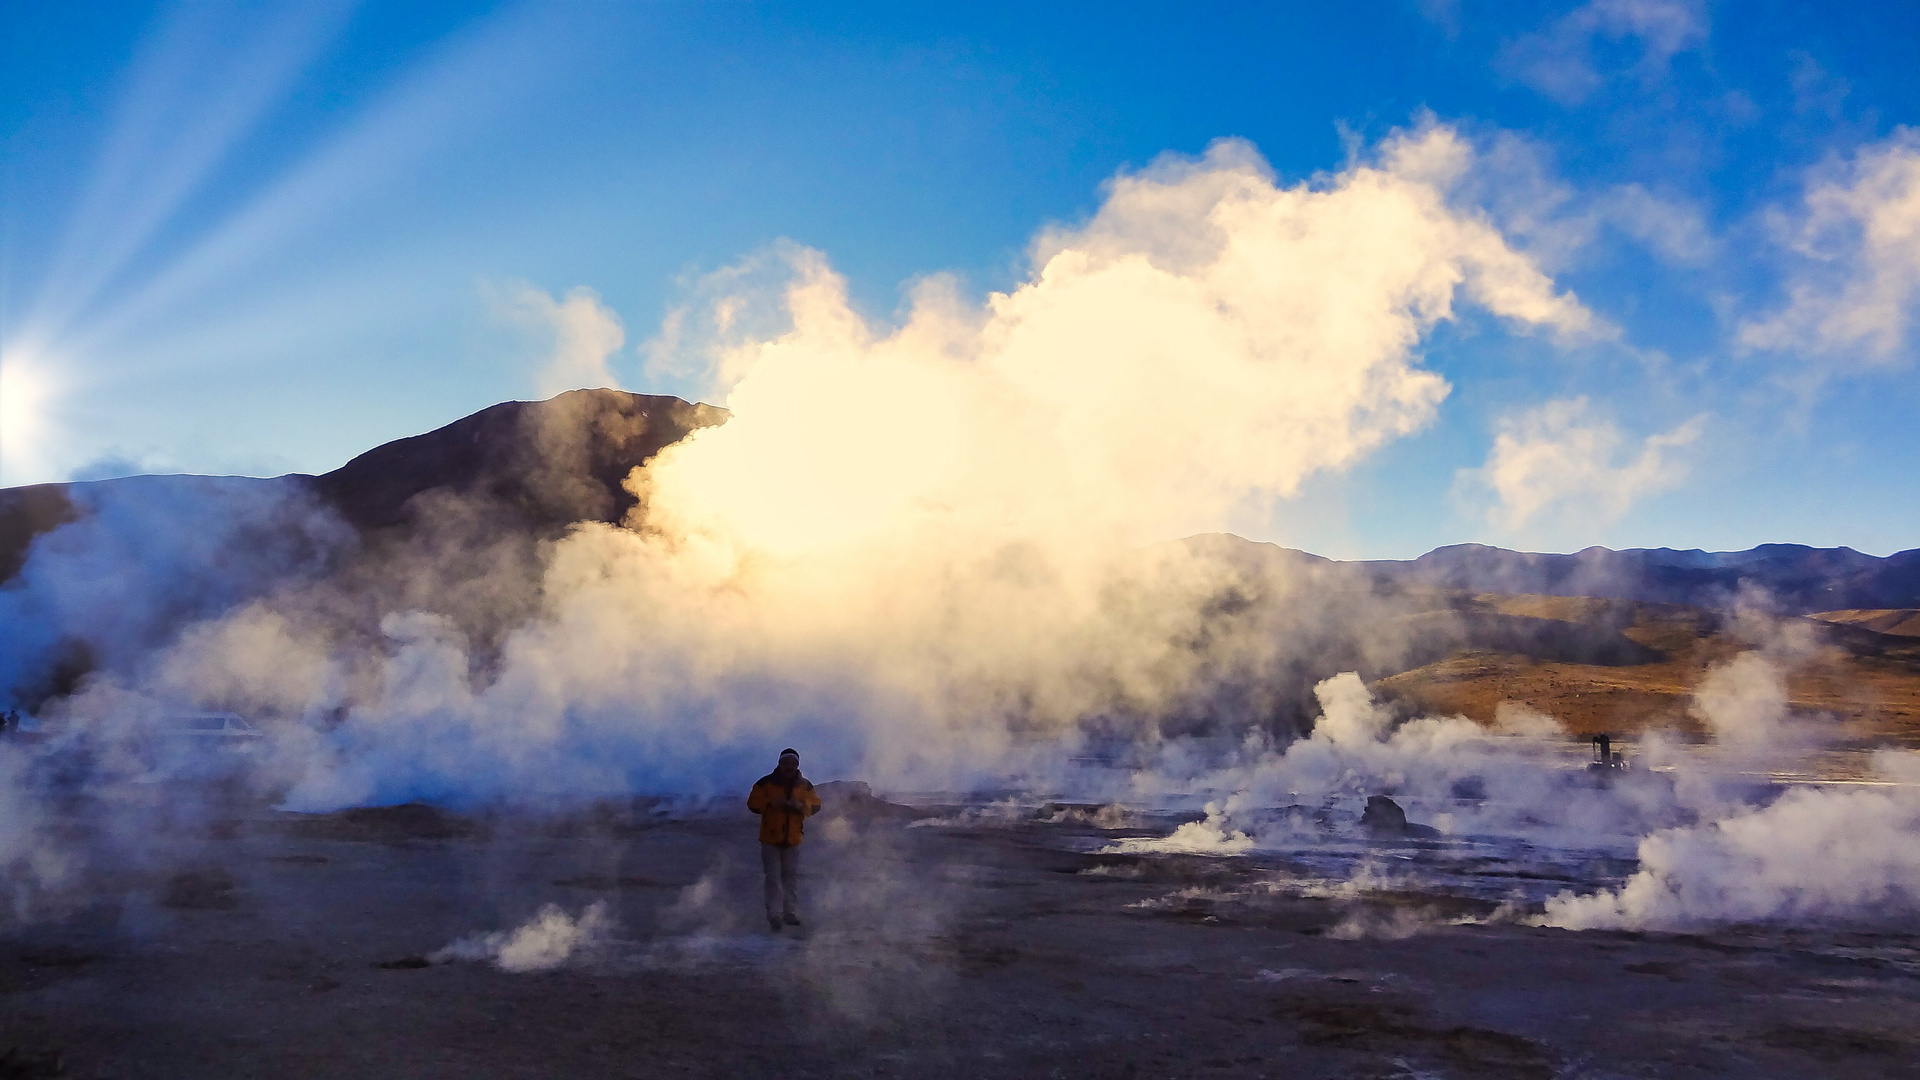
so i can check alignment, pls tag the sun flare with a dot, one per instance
(25, 391)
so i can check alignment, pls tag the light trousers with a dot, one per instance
(781, 865)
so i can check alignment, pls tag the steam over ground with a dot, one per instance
(939, 555)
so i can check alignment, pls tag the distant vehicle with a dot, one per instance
(212, 730)
(147, 749)
(200, 744)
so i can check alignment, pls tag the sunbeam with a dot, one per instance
(285, 225)
(206, 82)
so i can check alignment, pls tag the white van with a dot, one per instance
(201, 744)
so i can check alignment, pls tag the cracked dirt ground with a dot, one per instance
(253, 943)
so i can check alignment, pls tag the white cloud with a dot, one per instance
(1558, 60)
(586, 334)
(1515, 178)
(1671, 228)
(1856, 288)
(1560, 458)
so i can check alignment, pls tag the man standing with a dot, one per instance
(783, 799)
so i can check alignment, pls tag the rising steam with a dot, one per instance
(908, 545)
(943, 551)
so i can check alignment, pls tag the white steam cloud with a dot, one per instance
(1743, 702)
(1753, 854)
(1713, 843)
(548, 940)
(1209, 336)
(908, 544)
(1812, 855)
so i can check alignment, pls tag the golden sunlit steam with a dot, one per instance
(1208, 337)
(931, 541)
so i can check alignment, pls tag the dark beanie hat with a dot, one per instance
(790, 752)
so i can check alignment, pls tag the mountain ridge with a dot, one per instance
(545, 465)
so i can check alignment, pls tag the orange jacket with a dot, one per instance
(779, 825)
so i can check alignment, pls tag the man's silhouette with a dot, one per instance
(784, 800)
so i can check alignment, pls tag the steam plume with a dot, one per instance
(906, 543)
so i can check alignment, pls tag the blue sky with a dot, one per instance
(242, 240)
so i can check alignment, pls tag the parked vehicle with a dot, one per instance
(200, 744)
(212, 730)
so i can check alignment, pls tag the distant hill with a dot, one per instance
(1858, 687)
(26, 512)
(453, 521)
(1900, 622)
(539, 465)
(1786, 577)
(543, 465)
(552, 462)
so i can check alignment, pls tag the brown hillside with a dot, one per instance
(1903, 622)
(1865, 682)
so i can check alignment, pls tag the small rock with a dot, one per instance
(405, 963)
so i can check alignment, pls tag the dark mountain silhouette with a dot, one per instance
(534, 466)
(552, 462)
(26, 512)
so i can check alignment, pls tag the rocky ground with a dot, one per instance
(246, 942)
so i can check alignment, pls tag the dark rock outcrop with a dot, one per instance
(26, 512)
(531, 466)
(1384, 818)
(855, 801)
(549, 463)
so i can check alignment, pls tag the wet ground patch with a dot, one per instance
(205, 889)
(1335, 1016)
(1831, 1044)
(380, 824)
(607, 883)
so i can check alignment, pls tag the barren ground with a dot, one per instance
(253, 943)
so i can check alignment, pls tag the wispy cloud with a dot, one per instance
(1856, 238)
(1517, 180)
(586, 334)
(1560, 459)
(1670, 227)
(1561, 59)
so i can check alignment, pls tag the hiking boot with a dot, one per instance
(792, 919)
(773, 923)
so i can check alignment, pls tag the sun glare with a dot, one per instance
(24, 392)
